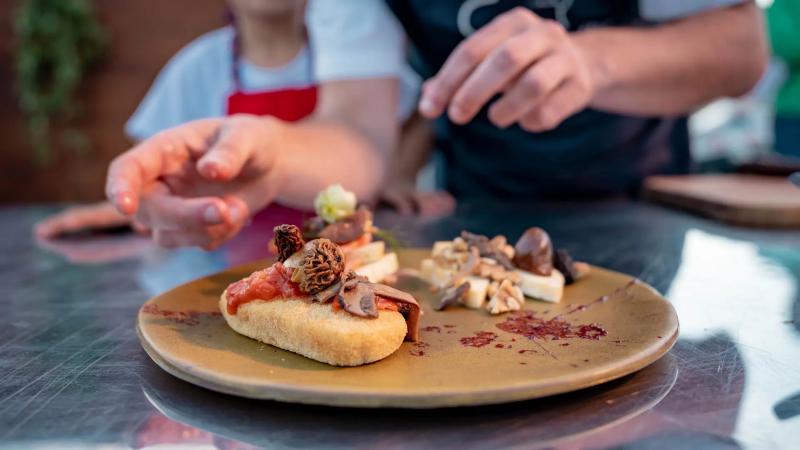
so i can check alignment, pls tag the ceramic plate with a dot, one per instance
(607, 325)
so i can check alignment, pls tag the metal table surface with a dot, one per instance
(72, 373)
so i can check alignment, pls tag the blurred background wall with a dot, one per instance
(144, 35)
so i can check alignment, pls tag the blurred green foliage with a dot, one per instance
(57, 41)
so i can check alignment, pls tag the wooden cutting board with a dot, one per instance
(748, 200)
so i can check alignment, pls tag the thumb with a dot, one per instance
(227, 155)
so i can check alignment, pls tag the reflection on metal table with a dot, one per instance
(74, 376)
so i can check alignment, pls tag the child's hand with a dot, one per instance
(196, 184)
(406, 199)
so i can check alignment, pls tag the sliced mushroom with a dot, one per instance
(564, 263)
(486, 249)
(312, 227)
(534, 252)
(359, 301)
(411, 313)
(453, 295)
(406, 304)
(350, 228)
(392, 293)
(351, 279)
(328, 293)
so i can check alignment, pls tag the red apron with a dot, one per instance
(286, 104)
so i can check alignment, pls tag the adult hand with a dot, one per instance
(534, 64)
(196, 184)
(406, 199)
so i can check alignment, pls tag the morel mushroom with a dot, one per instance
(288, 240)
(323, 265)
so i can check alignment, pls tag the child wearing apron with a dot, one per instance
(210, 77)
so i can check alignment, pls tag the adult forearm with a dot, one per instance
(674, 68)
(413, 149)
(316, 154)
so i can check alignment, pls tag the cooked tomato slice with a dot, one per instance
(273, 282)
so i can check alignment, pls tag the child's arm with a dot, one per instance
(348, 139)
(196, 184)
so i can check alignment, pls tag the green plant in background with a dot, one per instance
(56, 43)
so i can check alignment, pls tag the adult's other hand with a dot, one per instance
(535, 65)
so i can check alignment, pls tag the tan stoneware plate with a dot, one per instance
(465, 357)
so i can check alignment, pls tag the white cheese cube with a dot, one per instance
(476, 297)
(440, 247)
(549, 289)
(380, 269)
(366, 254)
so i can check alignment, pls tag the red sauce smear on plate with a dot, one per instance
(190, 317)
(481, 338)
(419, 348)
(527, 324)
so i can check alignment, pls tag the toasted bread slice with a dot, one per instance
(316, 331)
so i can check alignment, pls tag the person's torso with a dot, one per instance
(271, 91)
(590, 154)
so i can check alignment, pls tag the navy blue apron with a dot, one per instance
(592, 154)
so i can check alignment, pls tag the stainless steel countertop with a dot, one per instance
(72, 373)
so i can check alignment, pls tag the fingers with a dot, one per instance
(400, 201)
(228, 154)
(207, 237)
(131, 173)
(408, 201)
(556, 107)
(435, 204)
(529, 89)
(77, 218)
(504, 64)
(533, 62)
(439, 90)
(241, 138)
(140, 228)
(162, 210)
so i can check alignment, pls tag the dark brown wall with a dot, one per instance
(144, 33)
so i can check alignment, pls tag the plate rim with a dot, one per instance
(349, 398)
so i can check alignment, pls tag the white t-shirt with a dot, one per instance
(349, 39)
